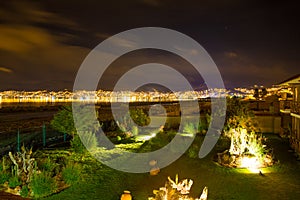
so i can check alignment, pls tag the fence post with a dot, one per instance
(18, 141)
(44, 135)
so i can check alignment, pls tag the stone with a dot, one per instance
(204, 194)
(154, 171)
(152, 162)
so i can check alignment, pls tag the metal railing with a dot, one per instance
(35, 137)
(285, 104)
(296, 107)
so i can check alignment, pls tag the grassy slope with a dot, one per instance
(280, 182)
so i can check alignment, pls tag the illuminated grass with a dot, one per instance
(280, 181)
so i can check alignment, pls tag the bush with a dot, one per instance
(14, 181)
(5, 165)
(139, 116)
(204, 123)
(135, 130)
(48, 166)
(190, 128)
(42, 185)
(24, 191)
(3, 177)
(87, 140)
(71, 173)
(223, 144)
(193, 151)
(63, 121)
(77, 145)
(160, 140)
(129, 121)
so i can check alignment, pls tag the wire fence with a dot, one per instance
(34, 137)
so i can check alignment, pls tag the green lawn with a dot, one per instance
(281, 181)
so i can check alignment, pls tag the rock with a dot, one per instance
(204, 194)
(152, 162)
(232, 159)
(15, 191)
(154, 171)
(224, 158)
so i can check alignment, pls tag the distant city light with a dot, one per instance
(106, 96)
(125, 96)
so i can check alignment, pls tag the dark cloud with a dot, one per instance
(6, 70)
(38, 57)
(44, 42)
(231, 54)
(242, 69)
(135, 58)
(153, 2)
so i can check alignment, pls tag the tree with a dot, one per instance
(63, 121)
(130, 121)
(246, 146)
(238, 115)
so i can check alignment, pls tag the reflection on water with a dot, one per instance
(32, 104)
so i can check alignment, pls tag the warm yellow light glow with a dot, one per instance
(254, 170)
(106, 96)
(145, 137)
(262, 171)
(251, 163)
(187, 135)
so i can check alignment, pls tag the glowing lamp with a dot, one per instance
(126, 195)
(251, 163)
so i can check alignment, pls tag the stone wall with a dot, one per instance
(269, 123)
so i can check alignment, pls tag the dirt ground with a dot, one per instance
(8, 196)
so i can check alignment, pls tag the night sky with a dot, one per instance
(43, 43)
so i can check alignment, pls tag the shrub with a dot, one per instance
(14, 181)
(63, 121)
(122, 128)
(190, 128)
(5, 165)
(77, 145)
(135, 130)
(24, 191)
(204, 123)
(129, 121)
(238, 115)
(88, 140)
(48, 166)
(42, 185)
(139, 116)
(71, 173)
(23, 164)
(244, 142)
(160, 140)
(193, 151)
(223, 144)
(3, 177)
